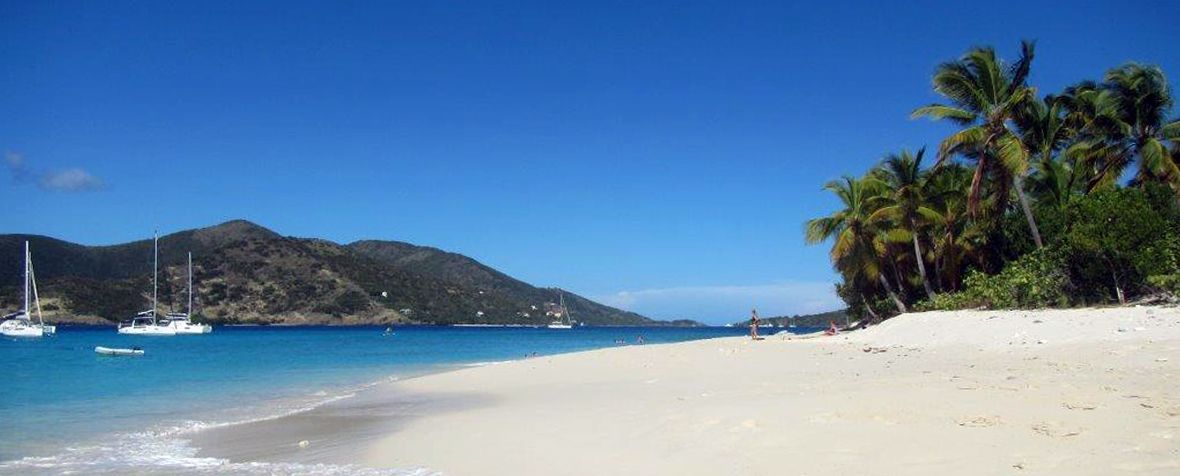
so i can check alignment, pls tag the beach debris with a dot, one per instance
(1042, 341)
(980, 421)
(1146, 405)
(304, 443)
(874, 350)
(1018, 466)
(1079, 406)
(1162, 359)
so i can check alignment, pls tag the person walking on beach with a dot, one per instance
(754, 324)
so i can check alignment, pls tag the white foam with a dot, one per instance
(165, 449)
(484, 364)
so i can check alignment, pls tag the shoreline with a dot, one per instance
(1088, 391)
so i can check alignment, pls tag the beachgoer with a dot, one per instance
(832, 329)
(754, 324)
(639, 340)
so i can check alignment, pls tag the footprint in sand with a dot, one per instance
(1079, 405)
(746, 425)
(1055, 430)
(979, 421)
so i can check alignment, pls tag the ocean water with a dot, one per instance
(65, 409)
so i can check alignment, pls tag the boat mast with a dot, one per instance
(33, 279)
(26, 279)
(155, 272)
(190, 284)
(564, 312)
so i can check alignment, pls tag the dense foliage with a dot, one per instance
(1062, 200)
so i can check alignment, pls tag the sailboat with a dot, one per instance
(19, 324)
(144, 323)
(563, 321)
(180, 322)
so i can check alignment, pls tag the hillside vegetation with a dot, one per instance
(245, 273)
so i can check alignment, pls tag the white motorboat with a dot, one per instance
(145, 322)
(19, 324)
(563, 321)
(180, 322)
(117, 351)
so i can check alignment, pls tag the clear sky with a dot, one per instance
(658, 156)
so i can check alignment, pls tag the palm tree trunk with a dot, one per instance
(1032, 222)
(892, 295)
(869, 309)
(921, 261)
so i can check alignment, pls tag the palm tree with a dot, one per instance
(984, 98)
(905, 202)
(1124, 120)
(1045, 129)
(856, 250)
(956, 237)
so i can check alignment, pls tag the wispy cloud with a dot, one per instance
(70, 180)
(728, 303)
(16, 165)
(67, 180)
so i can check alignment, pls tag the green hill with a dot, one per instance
(245, 273)
(808, 320)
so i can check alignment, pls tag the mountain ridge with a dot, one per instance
(247, 273)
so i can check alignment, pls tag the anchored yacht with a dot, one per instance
(180, 322)
(19, 324)
(144, 323)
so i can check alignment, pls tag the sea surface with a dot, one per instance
(66, 409)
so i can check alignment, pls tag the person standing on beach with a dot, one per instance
(754, 324)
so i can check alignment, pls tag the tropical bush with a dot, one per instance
(1036, 280)
(1023, 205)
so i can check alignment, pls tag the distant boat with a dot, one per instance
(144, 323)
(18, 324)
(119, 352)
(563, 321)
(180, 322)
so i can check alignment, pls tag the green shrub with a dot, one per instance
(1037, 279)
(1115, 239)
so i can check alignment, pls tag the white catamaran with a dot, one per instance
(19, 324)
(181, 322)
(144, 323)
(563, 321)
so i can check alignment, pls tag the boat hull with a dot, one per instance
(147, 331)
(194, 329)
(17, 328)
(117, 352)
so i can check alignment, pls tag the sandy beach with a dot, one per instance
(1090, 391)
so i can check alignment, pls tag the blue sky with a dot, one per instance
(654, 155)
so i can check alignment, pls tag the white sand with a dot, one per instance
(1046, 392)
(954, 393)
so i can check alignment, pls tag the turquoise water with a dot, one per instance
(63, 404)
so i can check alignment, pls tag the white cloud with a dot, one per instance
(723, 304)
(70, 180)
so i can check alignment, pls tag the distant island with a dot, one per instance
(245, 273)
(822, 319)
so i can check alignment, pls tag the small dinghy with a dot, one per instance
(114, 351)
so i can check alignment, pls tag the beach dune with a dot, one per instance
(1091, 391)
